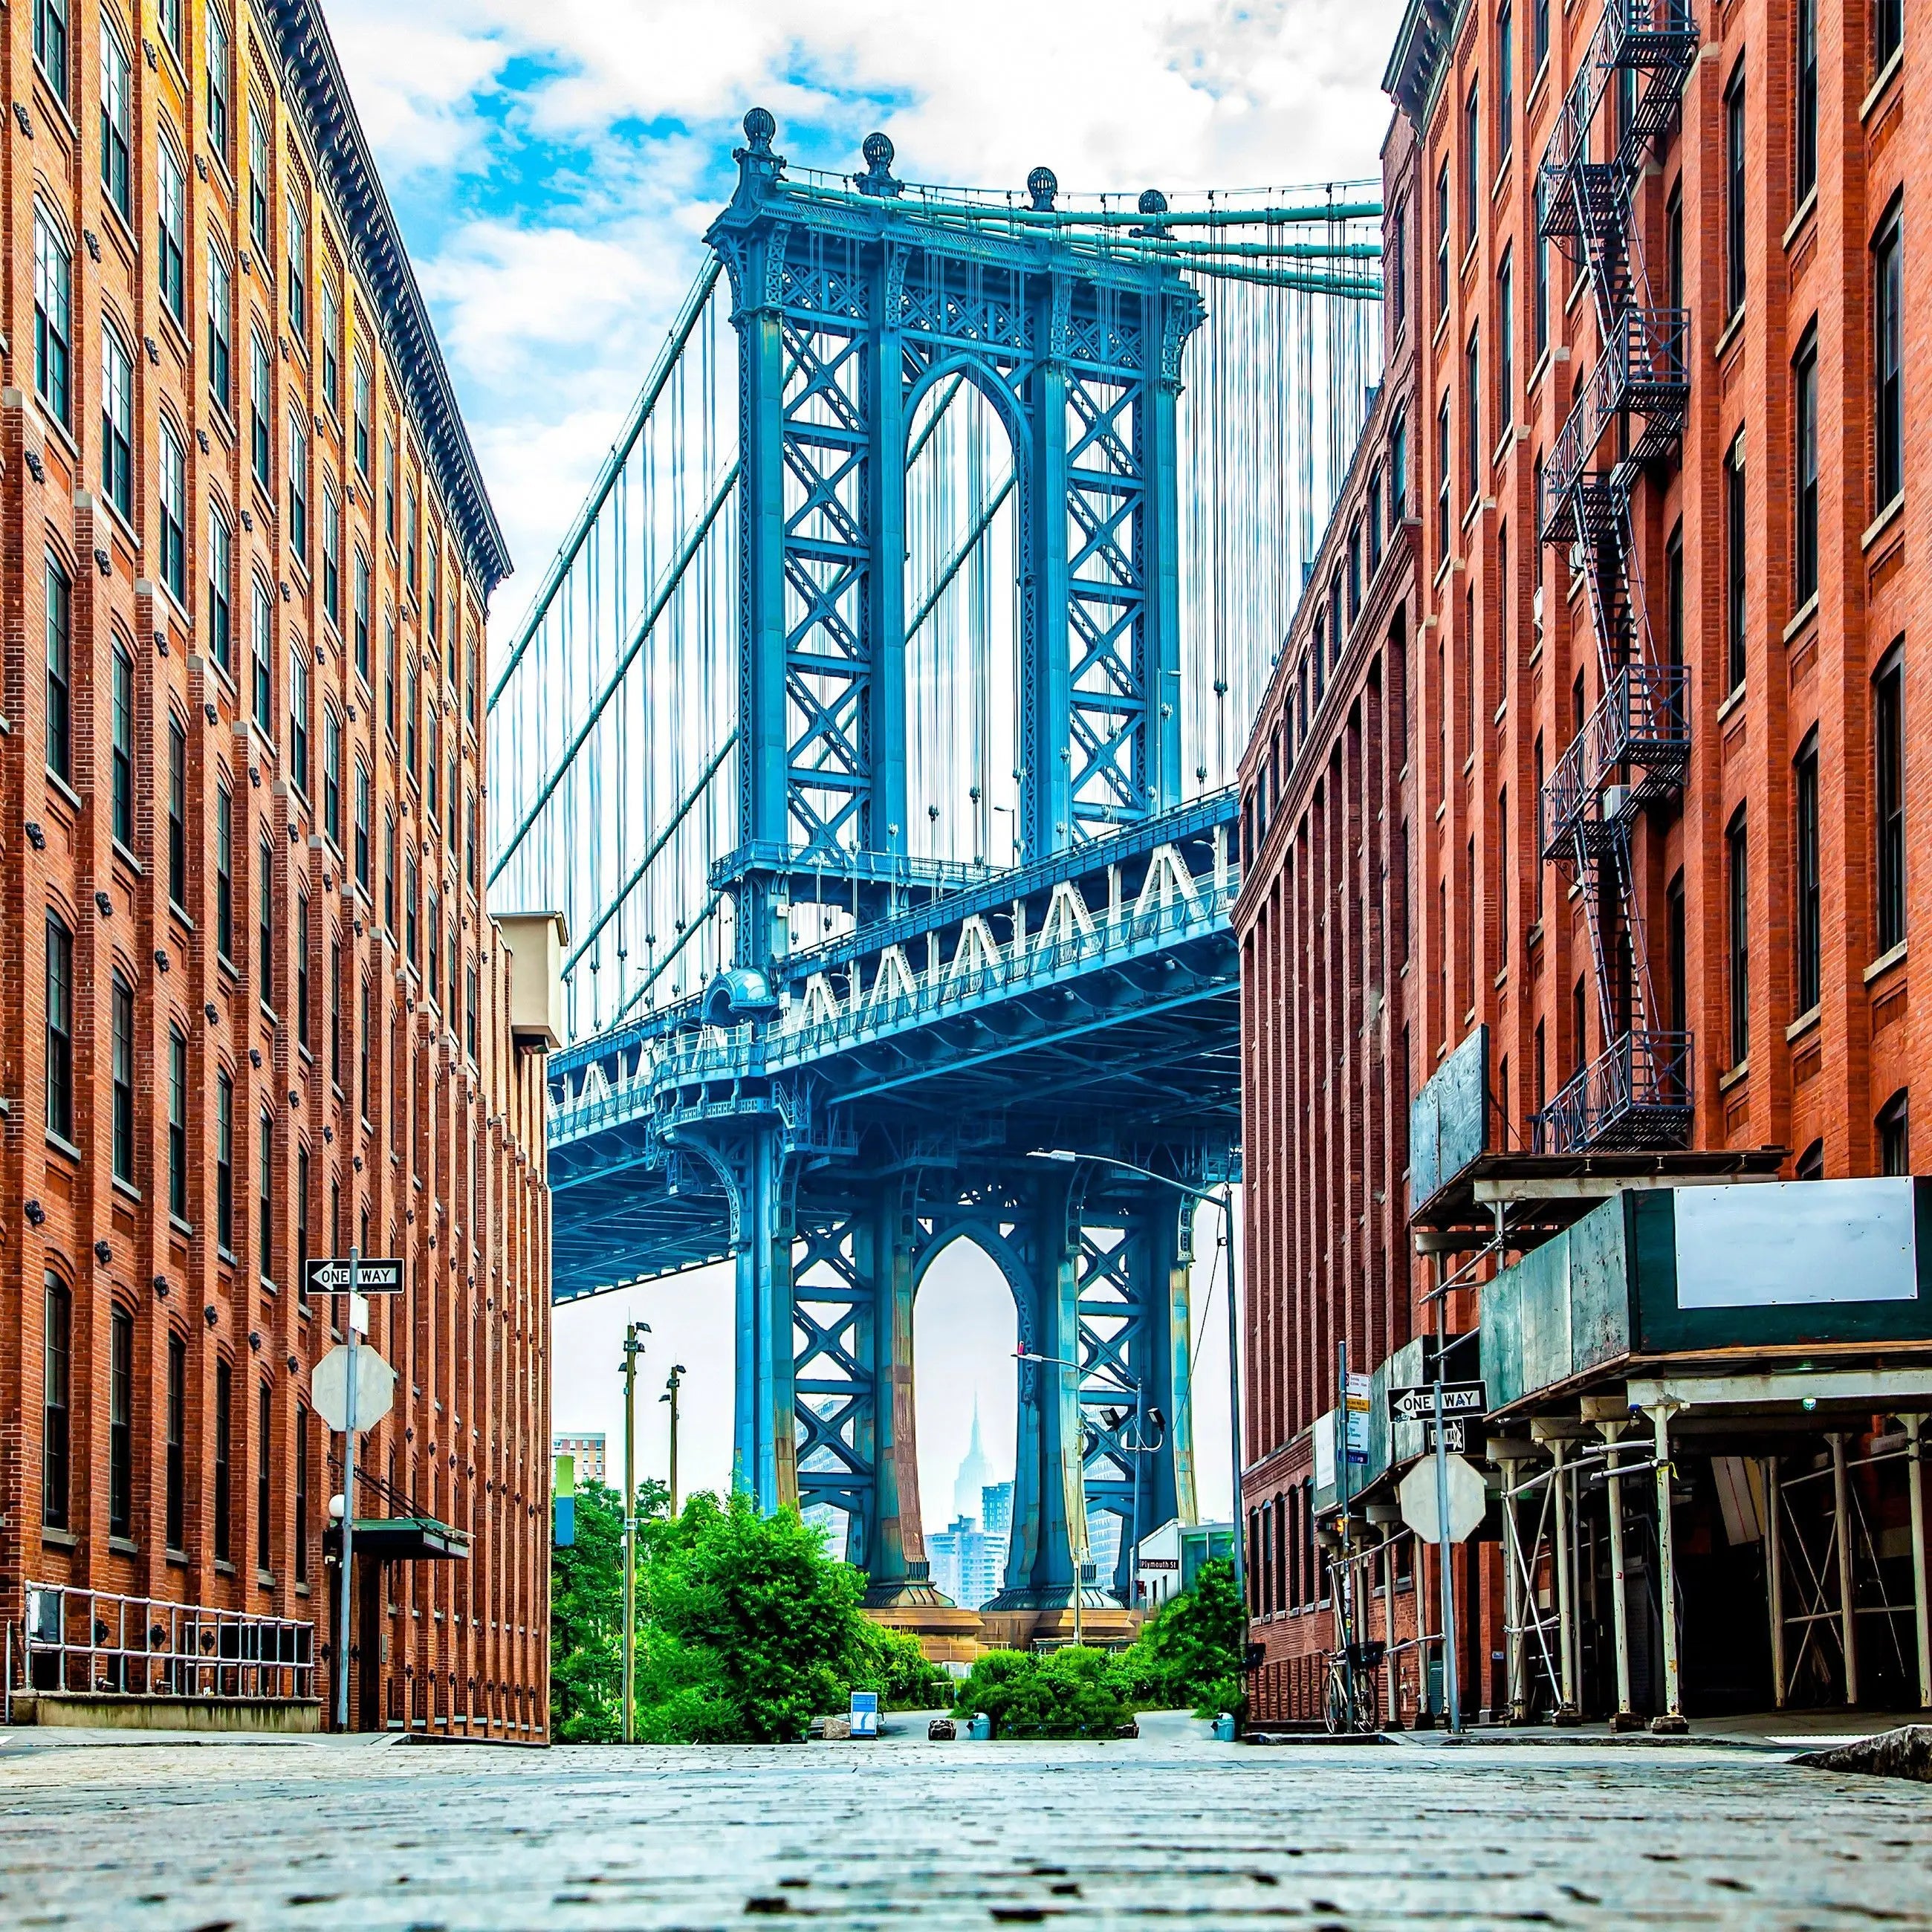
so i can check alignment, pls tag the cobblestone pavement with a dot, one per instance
(372, 1834)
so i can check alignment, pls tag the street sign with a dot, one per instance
(1468, 1500)
(1455, 1434)
(1414, 1404)
(332, 1277)
(1356, 1401)
(375, 1388)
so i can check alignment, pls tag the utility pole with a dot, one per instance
(634, 1347)
(345, 1624)
(672, 1383)
(1450, 1690)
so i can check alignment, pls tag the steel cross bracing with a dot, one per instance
(866, 1003)
(1634, 747)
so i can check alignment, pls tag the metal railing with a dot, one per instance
(1636, 1094)
(1639, 734)
(98, 1643)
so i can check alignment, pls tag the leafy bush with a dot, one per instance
(1188, 1655)
(586, 1683)
(1072, 1692)
(897, 1669)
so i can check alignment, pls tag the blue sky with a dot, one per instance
(554, 163)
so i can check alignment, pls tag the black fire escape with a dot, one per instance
(1635, 747)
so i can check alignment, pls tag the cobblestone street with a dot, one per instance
(372, 1834)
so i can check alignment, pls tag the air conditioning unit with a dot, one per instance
(1616, 798)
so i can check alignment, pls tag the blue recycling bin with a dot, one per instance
(865, 1714)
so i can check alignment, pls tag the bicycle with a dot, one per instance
(1344, 1710)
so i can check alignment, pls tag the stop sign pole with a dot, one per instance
(1450, 1689)
(344, 1625)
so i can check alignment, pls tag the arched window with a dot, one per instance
(56, 1372)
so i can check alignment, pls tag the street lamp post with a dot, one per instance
(634, 1347)
(673, 1383)
(1225, 1202)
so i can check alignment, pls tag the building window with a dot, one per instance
(1894, 1137)
(1541, 298)
(221, 590)
(50, 44)
(120, 1423)
(331, 778)
(176, 1479)
(59, 1029)
(171, 219)
(1735, 164)
(261, 400)
(264, 660)
(220, 339)
(123, 748)
(53, 317)
(121, 1068)
(1539, 34)
(60, 671)
(362, 808)
(1472, 160)
(265, 1197)
(1444, 465)
(297, 447)
(1809, 931)
(1398, 484)
(168, 20)
(177, 1123)
(365, 414)
(1396, 254)
(1887, 31)
(1442, 243)
(389, 872)
(220, 85)
(301, 1495)
(258, 182)
(1673, 598)
(365, 1040)
(1805, 104)
(265, 922)
(1888, 360)
(1677, 993)
(1472, 392)
(1738, 880)
(335, 1014)
(1735, 566)
(1374, 521)
(362, 591)
(116, 120)
(295, 237)
(332, 553)
(174, 514)
(224, 1457)
(412, 927)
(224, 1162)
(390, 671)
(303, 1177)
(299, 715)
(303, 939)
(117, 423)
(56, 1375)
(1804, 440)
(332, 346)
(177, 812)
(224, 872)
(1502, 879)
(1506, 344)
(1505, 81)
(264, 1434)
(1888, 744)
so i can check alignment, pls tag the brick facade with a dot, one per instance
(352, 886)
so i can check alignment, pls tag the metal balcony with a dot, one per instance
(1634, 1097)
(1634, 747)
(1648, 46)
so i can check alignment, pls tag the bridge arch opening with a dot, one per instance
(966, 1403)
(963, 624)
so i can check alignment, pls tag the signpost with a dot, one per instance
(1417, 1404)
(1456, 1495)
(353, 1389)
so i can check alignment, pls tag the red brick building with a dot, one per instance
(1665, 728)
(261, 1011)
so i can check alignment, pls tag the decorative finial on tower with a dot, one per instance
(758, 168)
(1152, 201)
(1042, 185)
(759, 126)
(878, 178)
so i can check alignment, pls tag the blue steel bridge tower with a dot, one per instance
(834, 1116)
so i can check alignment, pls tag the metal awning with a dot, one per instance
(404, 1539)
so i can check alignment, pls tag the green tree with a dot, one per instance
(898, 1669)
(587, 1596)
(1188, 1655)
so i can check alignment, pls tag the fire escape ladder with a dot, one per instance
(1634, 747)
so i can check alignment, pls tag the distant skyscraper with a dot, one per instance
(975, 1473)
(966, 1564)
(1103, 1545)
(996, 1511)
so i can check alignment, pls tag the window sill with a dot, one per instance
(185, 1228)
(1883, 84)
(1805, 613)
(1736, 1077)
(1807, 208)
(265, 1580)
(1738, 695)
(1879, 524)
(1469, 256)
(1728, 334)
(126, 1189)
(1885, 962)
(178, 1558)
(128, 859)
(68, 796)
(61, 1539)
(123, 1546)
(222, 1567)
(60, 1145)
(227, 1255)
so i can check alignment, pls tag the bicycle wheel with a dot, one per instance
(1335, 1706)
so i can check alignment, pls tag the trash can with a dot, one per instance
(981, 1727)
(1224, 1728)
(865, 1714)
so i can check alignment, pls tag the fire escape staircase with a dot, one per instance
(1633, 749)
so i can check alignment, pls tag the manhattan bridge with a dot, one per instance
(873, 729)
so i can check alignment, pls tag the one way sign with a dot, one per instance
(1418, 1405)
(372, 1277)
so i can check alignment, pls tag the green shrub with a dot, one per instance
(1188, 1655)
(1073, 1692)
(896, 1668)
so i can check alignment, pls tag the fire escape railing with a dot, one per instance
(1634, 747)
